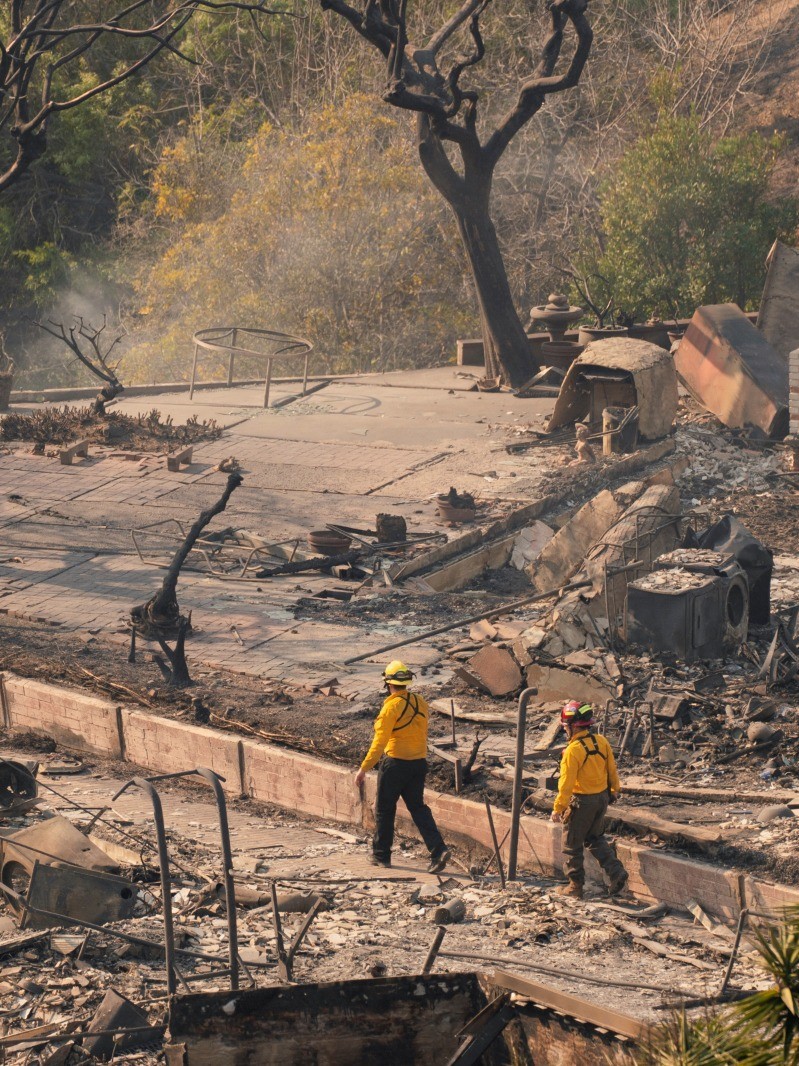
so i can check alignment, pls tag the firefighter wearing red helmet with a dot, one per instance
(588, 782)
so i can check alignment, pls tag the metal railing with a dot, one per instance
(224, 340)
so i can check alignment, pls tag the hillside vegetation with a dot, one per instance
(264, 183)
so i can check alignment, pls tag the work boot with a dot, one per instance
(375, 860)
(438, 862)
(571, 888)
(617, 883)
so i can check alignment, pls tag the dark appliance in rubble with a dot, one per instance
(693, 605)
(735, 586)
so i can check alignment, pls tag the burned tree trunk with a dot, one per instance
(159, 618)
(507, 350)
(418, 80)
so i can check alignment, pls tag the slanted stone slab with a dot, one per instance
(495, 670)
(731, 369)
(556, 685)
(563, 555)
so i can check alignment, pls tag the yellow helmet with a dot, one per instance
(397, 673)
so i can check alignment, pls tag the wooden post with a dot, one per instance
(452, 720)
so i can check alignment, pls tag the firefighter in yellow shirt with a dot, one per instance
(588, 782)
(401, 738)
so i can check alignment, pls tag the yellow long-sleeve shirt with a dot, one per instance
(400, 729)
(583, 772)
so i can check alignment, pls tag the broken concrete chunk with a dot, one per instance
(562, 556)
(760, 733)
(482, 630)
(776, 810)
(557, 685)
(731, 369)
(494, 670)
(529, 543)
(580, 658)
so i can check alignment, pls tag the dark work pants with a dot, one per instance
(403, 779)
(585, 828)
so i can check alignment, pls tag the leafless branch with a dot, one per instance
(43, 40)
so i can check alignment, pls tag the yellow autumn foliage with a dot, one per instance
(330, 231)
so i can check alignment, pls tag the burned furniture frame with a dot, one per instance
(224, 340)
(244, 551)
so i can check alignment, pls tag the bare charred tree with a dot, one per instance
(42, 46)
(419, 80)
(87, 343)
(159, 618)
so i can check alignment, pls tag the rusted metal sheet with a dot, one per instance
(778, 317)
(620, 371)
(731, 369)
(51, 869)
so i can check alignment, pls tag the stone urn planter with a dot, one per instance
(600, 333)
(456, 507)
(326, 542)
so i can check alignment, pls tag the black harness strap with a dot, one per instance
(416, 710)
(593, 751)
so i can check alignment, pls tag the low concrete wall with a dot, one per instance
(300, 782)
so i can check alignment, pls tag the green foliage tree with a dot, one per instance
(687, 220)
(760, 1030)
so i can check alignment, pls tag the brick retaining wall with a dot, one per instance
(300, 782)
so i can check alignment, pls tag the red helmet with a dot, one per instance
(576, 713)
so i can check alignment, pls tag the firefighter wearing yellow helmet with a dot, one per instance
(400, 737)
(588, 782)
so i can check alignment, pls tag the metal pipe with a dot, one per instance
(215, 782)
(434, 947)
(736, 944)
(305, 374)
(232, 357)
(518, 769)
(496, 842)
(193, 370)
(268, 382)
(166, 882)
(507, 609)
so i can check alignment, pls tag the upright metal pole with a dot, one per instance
(166, 881)
(516, 807)
(233, 340)
(194, 370)
(230, 884)
(268, 382)
(305, 374)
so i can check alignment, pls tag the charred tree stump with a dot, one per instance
(159, 619)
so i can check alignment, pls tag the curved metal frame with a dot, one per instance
(224, 339)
